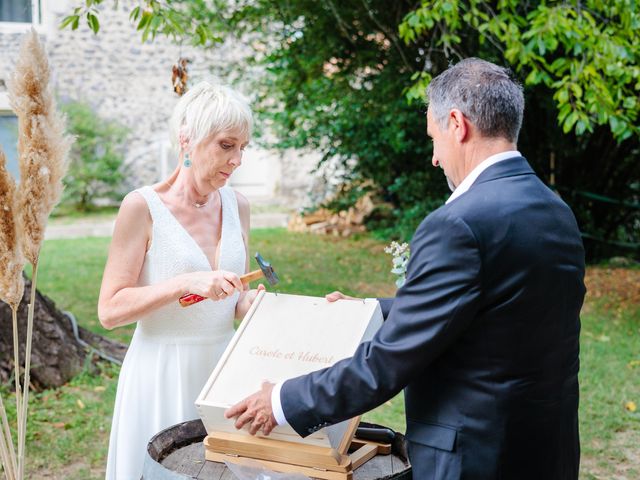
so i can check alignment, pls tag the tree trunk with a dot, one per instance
(57, 355)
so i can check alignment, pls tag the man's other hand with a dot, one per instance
(334, 296)
(256, 411)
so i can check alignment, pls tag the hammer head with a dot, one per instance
(267, 270)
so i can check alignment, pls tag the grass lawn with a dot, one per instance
(68, 427)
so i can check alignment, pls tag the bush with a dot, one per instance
(96, 168)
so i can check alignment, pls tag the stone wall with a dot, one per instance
(129, 81)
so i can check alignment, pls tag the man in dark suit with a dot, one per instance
(483, 336)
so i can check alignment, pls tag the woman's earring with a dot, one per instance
(187, 160)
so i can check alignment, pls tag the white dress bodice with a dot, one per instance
(173, 252)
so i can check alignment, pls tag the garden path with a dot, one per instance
(104, 227)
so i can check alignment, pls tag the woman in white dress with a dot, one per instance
(188, 234)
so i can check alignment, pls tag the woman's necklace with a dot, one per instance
(196, 204)
(200, 205)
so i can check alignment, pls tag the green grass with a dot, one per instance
(610, 377)
(67, 432)
(70, 273)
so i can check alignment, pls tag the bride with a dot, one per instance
(187, 234)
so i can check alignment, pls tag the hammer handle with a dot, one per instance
(251, 276)
(191, 298)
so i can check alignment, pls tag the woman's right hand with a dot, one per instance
(215, 285)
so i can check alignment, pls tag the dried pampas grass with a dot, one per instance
(11, 260)
(11, 280)
(42, 151)
(42, 144)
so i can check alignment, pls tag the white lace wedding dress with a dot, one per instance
(173, 350)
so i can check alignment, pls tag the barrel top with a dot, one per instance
(177, 453)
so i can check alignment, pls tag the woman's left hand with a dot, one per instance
(252, 294)
(246, 300)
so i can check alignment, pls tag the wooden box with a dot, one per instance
(283, 336)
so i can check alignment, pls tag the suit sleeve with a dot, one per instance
(436, 303)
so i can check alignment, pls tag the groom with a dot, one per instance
(483, 336)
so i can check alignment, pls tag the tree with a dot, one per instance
(341, 73)
(579, 60)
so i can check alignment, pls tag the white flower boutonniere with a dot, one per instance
(400, 253)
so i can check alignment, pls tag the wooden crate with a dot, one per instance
(283, 336)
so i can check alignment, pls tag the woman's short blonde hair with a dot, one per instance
(207, 109)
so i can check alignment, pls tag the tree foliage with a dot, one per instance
(585, 52)
(336, 81)
(177, 19)
(579, 64)
(347, 78)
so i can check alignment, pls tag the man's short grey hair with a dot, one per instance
(485, 93)
(208, 109)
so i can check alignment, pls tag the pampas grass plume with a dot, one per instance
(42, 152)
(42, 144)
(11, 259)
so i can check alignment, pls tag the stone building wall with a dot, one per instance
(129, 81)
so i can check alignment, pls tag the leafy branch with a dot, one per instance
(582, 50)
(194, 20)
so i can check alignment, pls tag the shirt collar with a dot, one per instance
(481, 167)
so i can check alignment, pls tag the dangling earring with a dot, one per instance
(187, 161)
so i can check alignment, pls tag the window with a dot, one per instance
(9, 141)
(20, 11)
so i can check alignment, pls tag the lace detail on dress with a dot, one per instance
(173, 252)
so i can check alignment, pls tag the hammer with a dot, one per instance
(266, 271)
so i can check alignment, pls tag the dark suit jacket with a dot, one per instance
(483, 336)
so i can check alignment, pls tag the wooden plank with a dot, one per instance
(363, 454)
(227, 474)
(187, 460)
(214, 471)
(277, 451)
(348, 435)
(280, 467)
(377, 467)
(219, 438)
(383, 448)
(397, 465)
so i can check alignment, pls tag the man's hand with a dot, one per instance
(255, 410)
(334, 296)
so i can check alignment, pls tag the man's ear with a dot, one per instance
(459, 125)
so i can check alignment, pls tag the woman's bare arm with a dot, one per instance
(121, 300)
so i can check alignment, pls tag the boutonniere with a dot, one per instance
(400, 259)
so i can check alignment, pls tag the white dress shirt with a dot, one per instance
(276, 404)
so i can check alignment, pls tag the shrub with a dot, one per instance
(96, 169)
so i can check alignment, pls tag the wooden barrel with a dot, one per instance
(177, 453)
